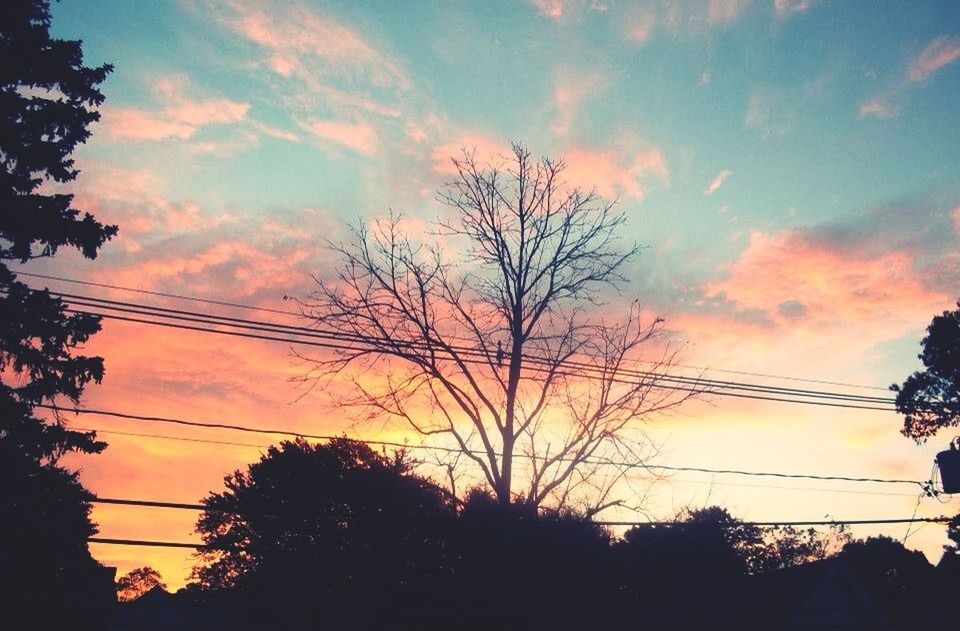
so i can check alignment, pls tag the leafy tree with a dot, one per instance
(930, 399)
(709, 543)
(705, 544)
(138, 582)
(502, 342)
(520, 567)
(47, 102)
(677, 572)
(317, 531)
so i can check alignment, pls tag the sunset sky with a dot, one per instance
(793, 167)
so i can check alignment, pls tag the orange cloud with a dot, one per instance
(776, 269)
(940, 52)
(792, 296)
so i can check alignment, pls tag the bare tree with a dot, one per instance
(495, 335)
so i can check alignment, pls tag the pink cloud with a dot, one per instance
(725, 11)
(571, 88)
(640, 23)
(614, 172)
(940, 52)
(360, 136)
(786, 8)
(558, 10)
(275, 132)
(485, 150)
(326, 71)
(552, 9)
(788, 286)
(717, 182)
(178, 118)
(789, 301)
(302, 43)
(877, 107)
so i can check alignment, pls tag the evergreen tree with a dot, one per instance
(48, 99)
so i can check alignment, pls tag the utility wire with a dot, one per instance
(149, 544)
(214, 509)
(657, 467)
(833, 522)
(633, 524)
(693, 390)
(236, 305)
(327, 437)
(193, 316)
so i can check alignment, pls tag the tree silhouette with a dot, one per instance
(930, 399)
(501, 345)
(519, 567)
(138, 582)
(47, 101)
(320, 531)
(46, 571)
(709, 544)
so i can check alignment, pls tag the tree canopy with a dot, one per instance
(930, 399)
(138, 582)
(322, 525)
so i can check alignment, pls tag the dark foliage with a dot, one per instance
(897, 578)
(325, 533)
(48, 98)
(47, 101)
(515, 567)
(45, 568)
(340, 536)
(930, 399)
(138, 582)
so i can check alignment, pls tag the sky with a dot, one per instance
(790, 167)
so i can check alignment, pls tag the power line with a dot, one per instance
(327, 437)
(340, 337)
(833, 522)
(693, 390)
(237, 305)
(336, 341)
(655, 467)
(151, 544)
(202, 507)
(162, 437)
(633, 524)
(160, 294)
